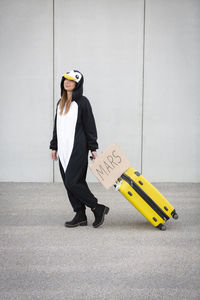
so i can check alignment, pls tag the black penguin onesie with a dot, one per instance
(74, 135)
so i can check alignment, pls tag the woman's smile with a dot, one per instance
(69, 84)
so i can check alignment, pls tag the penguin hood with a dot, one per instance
(76, 76)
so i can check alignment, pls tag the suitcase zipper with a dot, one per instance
(145, 197)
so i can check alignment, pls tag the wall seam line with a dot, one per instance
(53, 76)
(143, 79)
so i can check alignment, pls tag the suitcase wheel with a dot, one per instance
(174, 215)
(162, 227)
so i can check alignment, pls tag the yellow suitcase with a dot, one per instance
(146, 198)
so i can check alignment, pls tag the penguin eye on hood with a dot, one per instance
(73, 75)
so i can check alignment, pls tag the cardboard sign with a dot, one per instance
(110, 165)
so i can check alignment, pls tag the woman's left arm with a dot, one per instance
(89, 125)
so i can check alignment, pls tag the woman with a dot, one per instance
(74, 135)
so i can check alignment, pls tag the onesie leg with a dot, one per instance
(75, 182)
(75, 203)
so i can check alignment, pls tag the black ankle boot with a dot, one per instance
(79, 219)
(99, 213)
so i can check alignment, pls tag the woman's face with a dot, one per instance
(69, 85)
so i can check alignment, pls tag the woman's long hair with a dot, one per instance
(63, 101)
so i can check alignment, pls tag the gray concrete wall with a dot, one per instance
(26, 89)
(171, 149)
(105, 43)
(154, 118)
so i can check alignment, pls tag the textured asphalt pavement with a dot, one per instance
(126, 258)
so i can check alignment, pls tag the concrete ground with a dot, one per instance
(126, 258)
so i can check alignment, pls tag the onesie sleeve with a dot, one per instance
(53, 142)
(89, 125)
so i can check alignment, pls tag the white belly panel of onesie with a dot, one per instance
(66, 125)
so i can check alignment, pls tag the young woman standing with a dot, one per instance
(74, 134)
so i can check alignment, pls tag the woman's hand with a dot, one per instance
(94, 154)
(54, 155)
